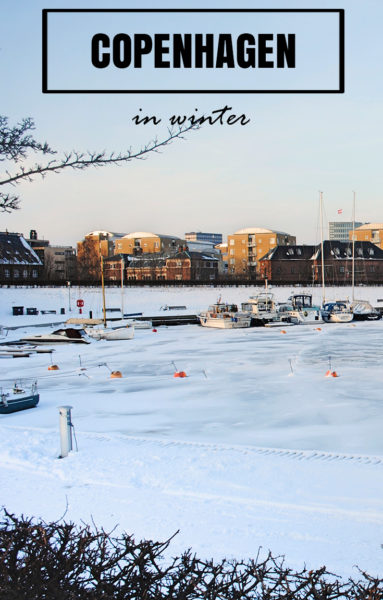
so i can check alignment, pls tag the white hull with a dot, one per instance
(122, 333)
(305, 317)
(224, 323)
(341, 318)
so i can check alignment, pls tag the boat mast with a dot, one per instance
(353, 247)
(122, 286)
(321, 245)
(103, 287)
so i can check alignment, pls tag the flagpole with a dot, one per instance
(353, 247)
(322, 246)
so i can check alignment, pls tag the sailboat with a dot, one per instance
(338, 311)
(109, 333)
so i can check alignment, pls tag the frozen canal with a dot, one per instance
(255, 447)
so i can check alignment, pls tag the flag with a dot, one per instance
(340, 210)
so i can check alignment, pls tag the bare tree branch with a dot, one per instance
(16, 142)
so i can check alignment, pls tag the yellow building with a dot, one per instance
(247, 246)
(140, 242)
(370, 232)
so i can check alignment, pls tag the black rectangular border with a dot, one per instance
(46, 11)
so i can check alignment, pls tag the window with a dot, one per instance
(35, 273)
(7, 273)
(178, 277)
(299, 251)
(371, 251)
(341, 269)
(156, 245)
(232, 261)
(231, 242)
(292, 270)
(16, 273)
(272, 240)
(243, 251)
(232, 252)
(25, 273)
(372, 269)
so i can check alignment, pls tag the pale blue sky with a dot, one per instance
(221, 178)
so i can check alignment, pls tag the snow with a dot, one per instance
(240, 454)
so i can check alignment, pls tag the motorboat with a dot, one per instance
(60, 336)
(364, 311)
(18, 399)
(262, 308)
(119, 333)
(300, 310)
(224, 316)
(337, 312)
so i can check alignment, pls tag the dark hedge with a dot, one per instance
(63, 561)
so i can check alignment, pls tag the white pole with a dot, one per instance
(322, 252)
(69, 306)
(65, 430)
(122, 287)
(353, 247)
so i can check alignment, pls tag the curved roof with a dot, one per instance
(370, 226)
(139, 234)
(148, 234)
(257, 230)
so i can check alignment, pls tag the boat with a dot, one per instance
(262, 308)
(337, 312)
(224, 316)
(18, 399)
(300, 310)
(119, 333)
(140, 324)
(109, 333)
(364, 311)
(65, 335)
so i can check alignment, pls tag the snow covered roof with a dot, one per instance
(148, 234)
(15, 250)
(109, 234)
(252, 230)
(370, 226)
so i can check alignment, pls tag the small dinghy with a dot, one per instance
(18, 399)
(120, 333)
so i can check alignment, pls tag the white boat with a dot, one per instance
(67, 335)
(119, 333)
(224, 316)
(337, 312)
(300, 310)
(364, 311)
(140, 324)
(262, 308)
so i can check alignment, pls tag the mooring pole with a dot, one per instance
(65, 430)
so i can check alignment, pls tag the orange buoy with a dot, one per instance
(180, 374)
(318, 329)
(116, 375)
(334, 374)
(328, 373)
(283, 331)
(53, 368)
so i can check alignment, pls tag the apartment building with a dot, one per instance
(140, 242)
(370, 232)
(247, 246)
(340, 230)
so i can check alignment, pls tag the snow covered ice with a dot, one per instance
(240, 454)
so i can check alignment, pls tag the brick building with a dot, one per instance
(247, 246)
